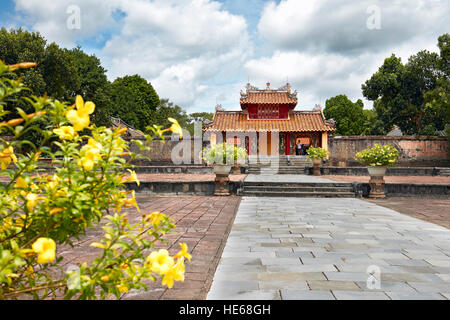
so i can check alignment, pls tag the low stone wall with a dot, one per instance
(171, 152)
(182, 187)
(414, 151)
(391, 171)
(406, 189)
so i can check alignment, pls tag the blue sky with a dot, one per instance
(201, 52)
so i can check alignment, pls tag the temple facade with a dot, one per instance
(268, 123)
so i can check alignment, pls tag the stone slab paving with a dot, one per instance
(309, 248)
(299, 178)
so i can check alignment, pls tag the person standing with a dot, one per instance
(299, 148)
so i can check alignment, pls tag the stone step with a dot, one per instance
(299, 194)
(297, 189)
(444, 172)
(298, 184)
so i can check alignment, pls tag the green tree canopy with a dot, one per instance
(94, 85)
(55, 73)
(403, 94)
(166, 109)
(134, 100)
(349, 116)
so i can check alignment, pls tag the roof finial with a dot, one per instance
(268, 85)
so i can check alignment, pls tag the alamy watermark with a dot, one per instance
(73, 21)
(374, 280)
(373, 22)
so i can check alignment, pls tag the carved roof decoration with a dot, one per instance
(282, 95)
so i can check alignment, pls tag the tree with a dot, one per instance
(402, 93)
(201, 116)
(372, 125)
(349, 116)
(94, 84)
(55, 73)
(134, 100)
(167, 109)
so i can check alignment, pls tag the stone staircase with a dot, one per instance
(301, 189)
(278, 165)
(444, 171)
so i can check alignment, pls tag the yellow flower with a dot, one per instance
(122, 130)
(12, 122)
(132, 202)
(22, 65)
(6, 156)
(160, 261)
(21, 221)
(45, 248)
(79, 117)
(175, 127)
(156, 217)
(65, 132)
(176, 273)
(122, 288)
(132, 177)
(104, 278)
(53, 182)
(91, 154)
(32, 200)
(56, 210)
(21, 183)
(183, 252)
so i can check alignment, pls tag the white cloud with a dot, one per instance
(50, 17)
(341, 26)
(179, 46)
(197, 54)
(325, 47)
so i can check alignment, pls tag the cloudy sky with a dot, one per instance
(199, 53)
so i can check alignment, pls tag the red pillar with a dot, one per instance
(288, 147)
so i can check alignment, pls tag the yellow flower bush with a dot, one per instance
(40, 211)
(385, 155)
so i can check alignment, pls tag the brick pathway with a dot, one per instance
(202, 222)
(393, 179)
(309, 248)
(429, 209)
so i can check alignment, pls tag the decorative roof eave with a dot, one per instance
(237, 121)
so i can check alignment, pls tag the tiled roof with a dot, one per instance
(268, 97)
(299, 121)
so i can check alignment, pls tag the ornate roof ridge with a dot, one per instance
(284, 89)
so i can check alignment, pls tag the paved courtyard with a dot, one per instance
(291, 248)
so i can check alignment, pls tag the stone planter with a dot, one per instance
(222, 180)
(377, 171)
(237, 168)
(221, 169)
(376, 182)
(316, 167)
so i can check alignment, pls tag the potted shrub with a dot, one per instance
(377, 159)
(220, 157)
(316, 155)
(239, 155)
